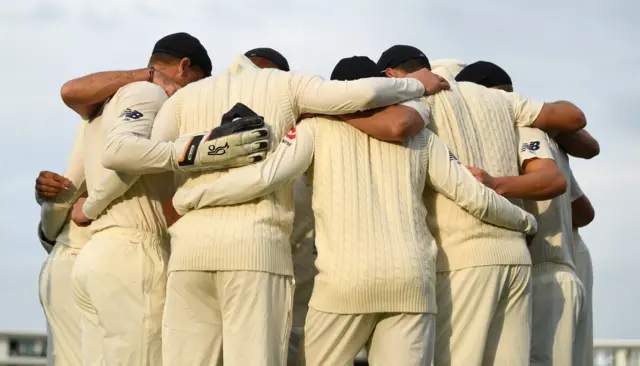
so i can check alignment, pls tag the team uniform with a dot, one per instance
(120, 275)
(558, 294)
(63, 240)
(303, 253)
(376, 257)
(483, 285)
(222, 256)
(584, 270)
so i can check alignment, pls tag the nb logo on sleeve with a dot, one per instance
(130, 114)
(453, 157)
(220, 150)
(531, 146)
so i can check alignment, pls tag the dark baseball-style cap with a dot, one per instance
(271, 55)
(185, 45)
(354, 68)
(400, 54)
(484, 73)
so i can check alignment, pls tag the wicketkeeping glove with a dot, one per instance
(235, 143)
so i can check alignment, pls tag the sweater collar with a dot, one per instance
(240, 64)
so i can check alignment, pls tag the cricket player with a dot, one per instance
(376, 257)
(582, 214)
(483, 281)
(303, 234)
(224, 255)
(560, 306)
(120, 276)
(65, 240)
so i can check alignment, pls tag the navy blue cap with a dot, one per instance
(400, 54)
(484, 73)
(183, 45)
(354, 68)
(271, 55)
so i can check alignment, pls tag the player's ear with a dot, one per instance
(391, 73)
(183, 67)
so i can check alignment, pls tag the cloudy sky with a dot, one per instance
(580, 50)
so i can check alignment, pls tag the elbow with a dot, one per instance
(592, 151)
(559, 186)
(401, 130)
(67, 93)
(113, 161)
(578, 119)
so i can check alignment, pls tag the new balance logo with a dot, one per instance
(130, 114)
(531, 146)
(220, 150)
(452, 157)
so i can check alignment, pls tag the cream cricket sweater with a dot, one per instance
(118, 200)
(554, 242)
(255, 235)
(55, 223)
(478, 125)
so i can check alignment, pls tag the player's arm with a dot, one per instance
(579, 144)
(541, 179)
(139, 104)
(240, 142)
(558, 116)
(312, 94)
(395, 123)
(582, 212)
(451, 179)
(86, 94)
(292, 157)
(54, 212)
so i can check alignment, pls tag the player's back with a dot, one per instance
(263, 224)
(477, 126)
(375, 253)
(140, 207)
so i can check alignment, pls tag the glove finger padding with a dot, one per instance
(226, 146)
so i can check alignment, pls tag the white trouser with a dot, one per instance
(405, 339)
(120, 283)
(558, 316)
(227, 317)
(484, 316)
(584, 270)
(63, 316)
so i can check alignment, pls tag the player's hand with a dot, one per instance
(161, 79)
(77, 214)
(50, 184)
(234, 144)
(483, 177)
(432, 83)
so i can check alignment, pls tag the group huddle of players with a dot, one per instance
(420, 209)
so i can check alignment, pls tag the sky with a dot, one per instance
(579, 50)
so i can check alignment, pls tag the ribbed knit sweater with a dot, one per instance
(254, 235)
(478, 125)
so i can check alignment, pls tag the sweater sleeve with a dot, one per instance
(291, 158)
(533, 143)
(137, 105)
(525, 110)
(139, 141)
(575, 191)
(54, 213)
(451, 179)
(312, 94)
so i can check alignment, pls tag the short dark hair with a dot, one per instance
(413, 66)
(163, 58)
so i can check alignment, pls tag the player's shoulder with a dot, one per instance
(142, 90)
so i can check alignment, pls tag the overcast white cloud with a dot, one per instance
(581, 50)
